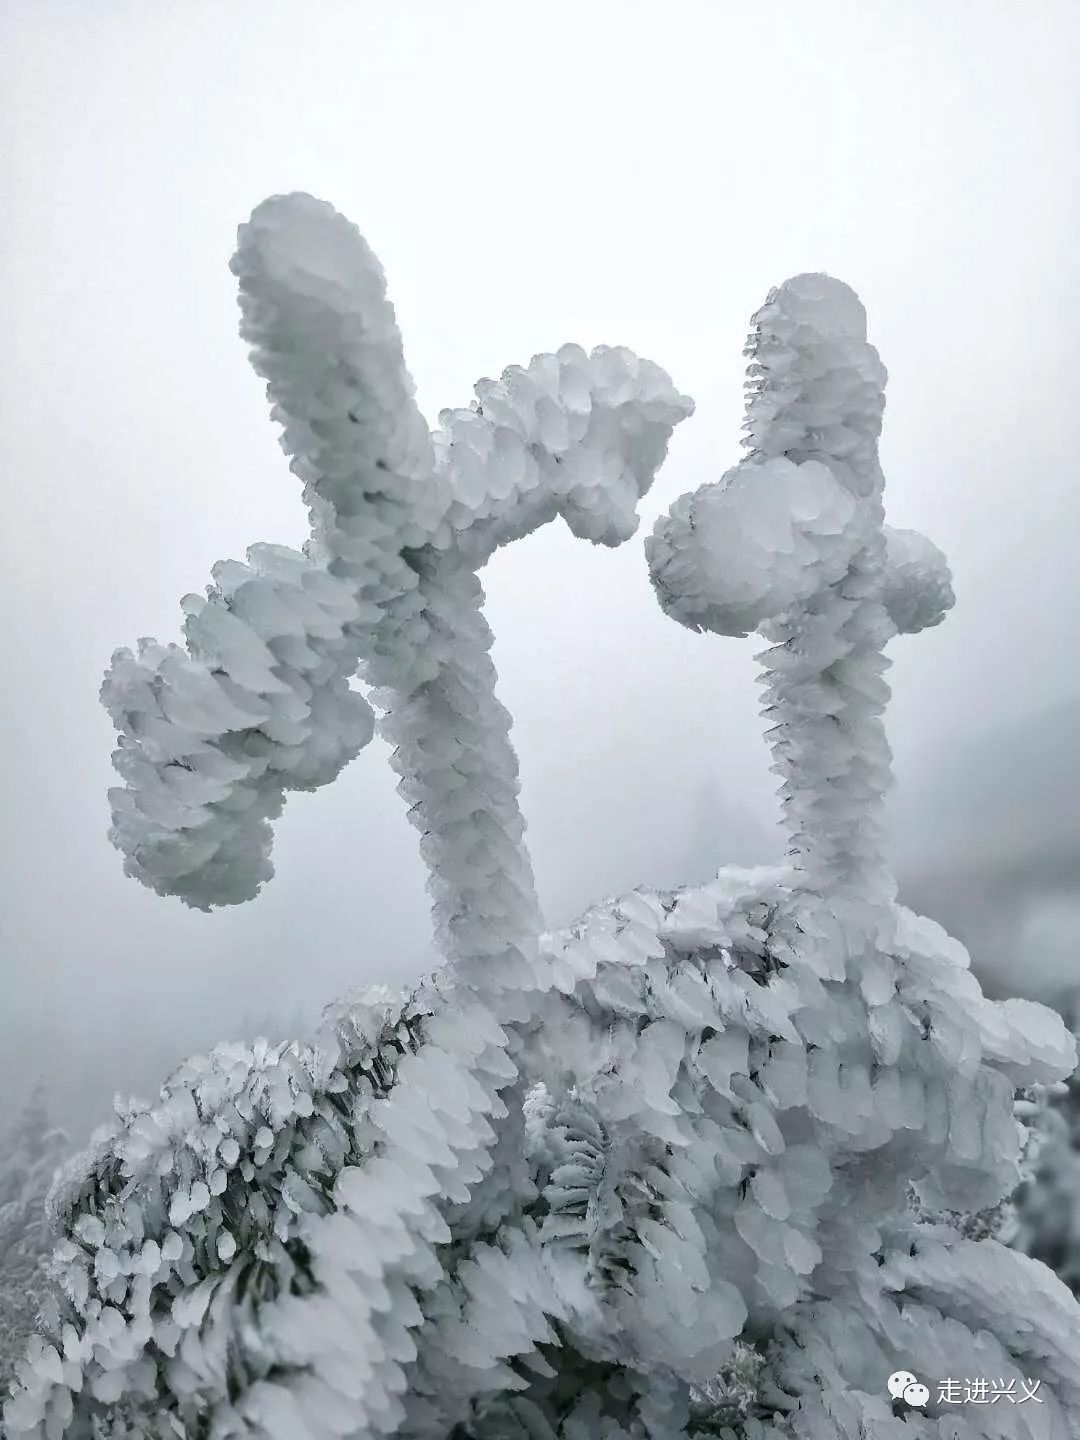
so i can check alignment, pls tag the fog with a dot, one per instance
(599, 172)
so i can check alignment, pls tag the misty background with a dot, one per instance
(624, 173)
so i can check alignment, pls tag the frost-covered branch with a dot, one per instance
(209, 745)
(791, 543)
(212, 740)
(572, 435)
(213, 737)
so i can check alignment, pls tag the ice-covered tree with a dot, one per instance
(30, 1154)
(642, 1179)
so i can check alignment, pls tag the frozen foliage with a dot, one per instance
(998, 1221)
(1042, 1217)
(730, 1396)
(791, 542)
(1047, 1204)
(212, 737)
(29, 1156)
(643, 1179)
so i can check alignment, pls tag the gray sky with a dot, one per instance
(602, 172)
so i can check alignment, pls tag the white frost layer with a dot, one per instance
(766, 537)
(545, 1195)
(212, 737)
(730, 1098)
(792, 543)
(212, 740)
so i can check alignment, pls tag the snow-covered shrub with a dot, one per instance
(1047, 1202)
(641, 1179)
(1042, 1216)
(30, 1154)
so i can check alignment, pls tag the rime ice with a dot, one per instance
(646, 1178)
(214, 736)
(792, 543)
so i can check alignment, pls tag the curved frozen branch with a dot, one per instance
(791, 544)
(576, 435)
(211, 741)
(324, 336)
(213, 737)
(264, 690)
(572, 435)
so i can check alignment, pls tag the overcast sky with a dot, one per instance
(625, 173)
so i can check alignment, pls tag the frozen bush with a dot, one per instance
(646, 1178)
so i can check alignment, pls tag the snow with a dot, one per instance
(792, 543)
(766, 537)
(635, 1179)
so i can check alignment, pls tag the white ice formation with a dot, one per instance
(792, 543)
(212, 738)
(589, 1184)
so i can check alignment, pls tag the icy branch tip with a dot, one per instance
(817, 303)
(292, 236)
